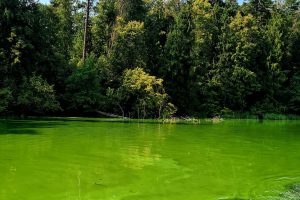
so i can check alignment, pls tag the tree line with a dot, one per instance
(149, 58)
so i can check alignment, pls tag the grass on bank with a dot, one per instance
(267, 116)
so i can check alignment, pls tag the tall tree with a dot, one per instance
(102, 26)
(63, 10)
(131, 10)
(128, 47)
(178, 65)
(86, 33)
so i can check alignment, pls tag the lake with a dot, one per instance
(85, 159)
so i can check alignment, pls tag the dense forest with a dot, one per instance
(149, 58)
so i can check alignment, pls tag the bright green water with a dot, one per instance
(86, 160)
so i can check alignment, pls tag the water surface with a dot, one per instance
(94, 160)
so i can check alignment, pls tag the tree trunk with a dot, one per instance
(159, 111)
(123, 113)
(86, 27)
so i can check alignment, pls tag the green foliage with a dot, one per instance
(177, 68)
(276, 41)
(133, 10)
(36, 95)
(5, 99)
(242, 78)
(260, 9)
(214, 57)
(83, 89)
(63, 12)
(142, 95)
(128, 46)
(157, 24)
(103, 26)
(294, 102)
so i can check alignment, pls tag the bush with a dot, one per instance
(83, 89)
(141, 95)
(36, 95)
(5, 99)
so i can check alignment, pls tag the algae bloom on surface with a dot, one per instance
(93, 159)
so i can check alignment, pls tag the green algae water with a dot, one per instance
(68, 159)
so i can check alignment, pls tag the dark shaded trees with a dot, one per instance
(212, 56)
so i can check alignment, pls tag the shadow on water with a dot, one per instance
(129, 120)
(25, 127)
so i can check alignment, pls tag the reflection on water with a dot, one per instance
(90, 160)
(136, 157)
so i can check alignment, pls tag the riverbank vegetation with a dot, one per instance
(149, 58)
